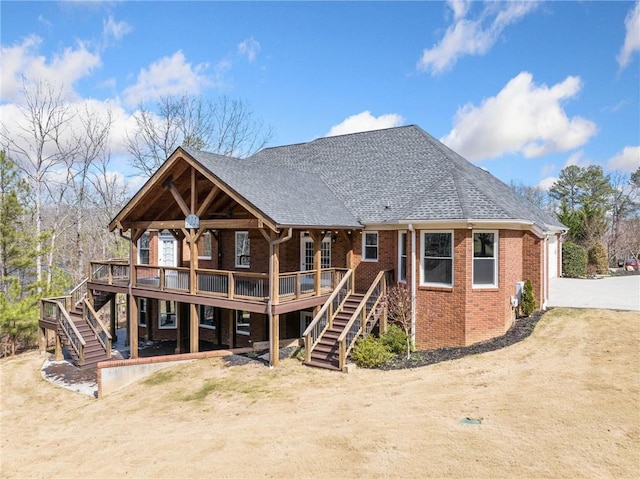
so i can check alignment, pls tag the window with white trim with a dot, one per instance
(243, 249)
(204, 248)
(142, 312)
(167, 315)
(402, 256)
(143, 248)
(370, 246)
(243, 322)
(437, 258)
(485, 259)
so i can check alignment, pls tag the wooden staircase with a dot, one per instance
(93, 350)
(326, 353)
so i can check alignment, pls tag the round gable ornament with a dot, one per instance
(192, 221)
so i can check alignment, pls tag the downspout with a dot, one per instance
(270, 300)
(413, 283)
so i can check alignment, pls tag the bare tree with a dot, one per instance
(399, 304)
(224, 126)
(40, 143)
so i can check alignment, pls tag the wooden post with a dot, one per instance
(317, 259)
(58, 354)
(128, 322)
(178, 329)
(275, 299)
(230, 327)
(194, 329)
(113, 326)
(133, 327)
(42, 339)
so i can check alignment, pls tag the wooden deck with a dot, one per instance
(225, 289)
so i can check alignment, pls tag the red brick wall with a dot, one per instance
(532, 258)
(489, 312)
(440, 312)
(366, 271)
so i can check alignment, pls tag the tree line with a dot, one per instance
(600, 210)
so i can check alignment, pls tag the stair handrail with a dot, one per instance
(355, 328)
(324, 319)
(63, 319)
(79, 293)
(95, 323)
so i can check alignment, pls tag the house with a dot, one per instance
(304, 240)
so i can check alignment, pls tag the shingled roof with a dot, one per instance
(288, 197)
(400, 175)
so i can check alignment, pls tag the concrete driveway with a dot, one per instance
(616, 292)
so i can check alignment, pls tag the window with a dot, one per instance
(167, 315)
(243, 322)
(370, 246)
(402, 256)
(142, 312)
(437, 258)
(143, 248)
(485, 254)
(204, 248)
(243, 252)
(209, 316)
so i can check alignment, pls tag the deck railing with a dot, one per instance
(110, 272)
(364, 317)
(219, 283)
(98, 327)
(55, 311)
(324, 319)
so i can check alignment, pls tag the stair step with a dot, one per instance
(319, 364)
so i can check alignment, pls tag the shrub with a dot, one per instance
(528, 299)
(574, 260)
(394, 339)
(598, 258)
(370, 352)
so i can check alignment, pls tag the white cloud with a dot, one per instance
(468, 36)
(577, 159)
(522, 118)
(168, 76)
(459, 7)
(365, 121)
(115, 30)
(627, 160)
(547, 182)
(24, 61)
(632, 38)
(249, 48)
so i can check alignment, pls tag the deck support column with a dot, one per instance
(194, 329)
(132, 322)
(58, 353)
(230, 327)
(113, 326)
(274, 348)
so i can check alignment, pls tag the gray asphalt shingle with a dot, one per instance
(288, 197)
(402, 174)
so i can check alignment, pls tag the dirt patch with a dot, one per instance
(563, 402)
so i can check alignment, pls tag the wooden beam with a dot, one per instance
(316, 236)
(208, 200)
(177, 196)
(226, 224)
(194, 190)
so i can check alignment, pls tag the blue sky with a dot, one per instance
(521, 89)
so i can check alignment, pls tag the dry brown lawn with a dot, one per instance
(562, 403)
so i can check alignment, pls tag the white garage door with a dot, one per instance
(553, 257)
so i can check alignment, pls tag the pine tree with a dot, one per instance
(18, 298)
